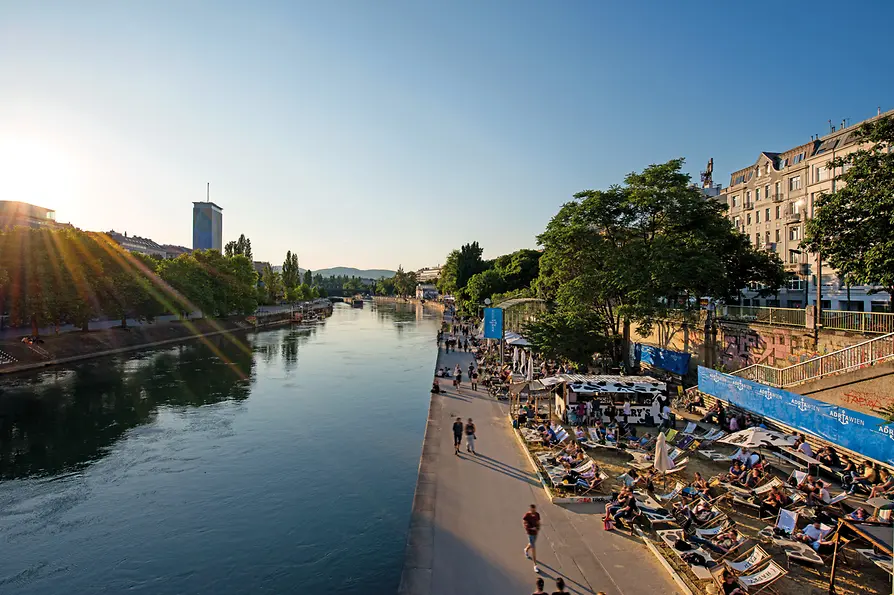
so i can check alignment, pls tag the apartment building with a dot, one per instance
(770, 201)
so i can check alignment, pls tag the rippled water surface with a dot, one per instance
(284, 463)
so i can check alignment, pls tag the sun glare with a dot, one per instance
(36, 172)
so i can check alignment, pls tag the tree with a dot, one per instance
(385, 286)
(404, 282)
(852, 227)
(484, 285)
(459, 267)
(568, 336)
(273, 285)
(240, 247)
(308, 278)
(519, 269)
(291, 275)
(321, 291)
(625, 254)
(352, 285)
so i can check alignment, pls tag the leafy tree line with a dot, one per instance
(61, 276)
(470, 279)
(616, 257)
(402, 284)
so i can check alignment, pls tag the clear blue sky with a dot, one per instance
(375, 133)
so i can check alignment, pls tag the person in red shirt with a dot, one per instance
(531, 522)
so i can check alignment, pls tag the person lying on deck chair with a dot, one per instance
(699, 484)
(812, 534)
(750, 480)
(736, 472)
(721, 543)
(775, 500)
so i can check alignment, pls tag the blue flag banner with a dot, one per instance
(493, 323)
(672, 361)
(870, 436)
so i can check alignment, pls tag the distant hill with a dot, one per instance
(352, 272)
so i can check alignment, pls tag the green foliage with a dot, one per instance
(568, 336)
(240, 247)
(404, 282)
(385, 286)
(625, 253)
(321, 291)
(69, 276)
(291, 275)
(352, 285)
(308, 278)
(483, 285)
(274, 290)
(853, 227)
(460, 266)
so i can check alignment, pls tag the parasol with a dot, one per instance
(757, 438)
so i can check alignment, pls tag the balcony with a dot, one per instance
(792, 217)
(748, 206)
(798, 268)
(777, 197)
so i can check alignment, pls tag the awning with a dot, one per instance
(591, 383)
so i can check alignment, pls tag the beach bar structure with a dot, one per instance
(570, 389)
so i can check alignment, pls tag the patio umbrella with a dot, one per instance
(515, 358)
(662, 462)
(530, 368)
(655, 411)
(524, 359)
(758, 438)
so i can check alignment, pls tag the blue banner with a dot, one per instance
(493, 323)
(870, 436)
(672, 361)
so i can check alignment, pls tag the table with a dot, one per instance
(799, 551)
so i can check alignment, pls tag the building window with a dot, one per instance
(777, 189)
(757, 216)
(767, 214)
(748, 219)
(767, 235)
(794, 233)
(820, 173)
(757, 195)
(736, 200)
(767, 168)
(748, 197)
(777, 236)
(794, 257)
(880, 306)
(798, 158)
(794, 183)
(757, 239)
(736, 222)
(796, 207)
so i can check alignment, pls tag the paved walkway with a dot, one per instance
(466, 536)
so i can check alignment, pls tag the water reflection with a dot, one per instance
(57, 421)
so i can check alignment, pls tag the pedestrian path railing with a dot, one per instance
(766, 315)
(861, 322)
(848, 359)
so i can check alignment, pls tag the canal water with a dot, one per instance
(281, 463)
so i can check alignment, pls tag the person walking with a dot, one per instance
(470, 437)
(458, 373)
(531, 522)
(457, 434)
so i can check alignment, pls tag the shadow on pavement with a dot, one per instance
(485, 462)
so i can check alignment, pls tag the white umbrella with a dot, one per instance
(515, 358)
(524, 359)
(655, 411)
(757, 438)
(662, 462)
(530, 368)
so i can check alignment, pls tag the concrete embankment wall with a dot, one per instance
(739, 345)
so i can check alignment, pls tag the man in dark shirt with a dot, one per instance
(457, 434)
(531, 522)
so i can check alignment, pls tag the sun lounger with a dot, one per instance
(678, 466)
(659, 517)
(597, 440)
(713, 455)
(761, 579)
(713, 436)
(690, 429)
(670, 537)
(670, 435)
(786, 520)
(749, 560)
(678, 489)
(797, 550)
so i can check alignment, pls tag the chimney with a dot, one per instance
(125, 234)
(831, 128)
(879, 113)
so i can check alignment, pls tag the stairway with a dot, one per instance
(854, 357)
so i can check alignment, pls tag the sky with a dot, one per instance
(378, 133)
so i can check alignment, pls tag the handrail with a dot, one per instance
(850, 358)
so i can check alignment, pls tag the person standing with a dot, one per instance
(458, 372)
(473, 376)
(457, 434)
(470, 437)
(627, 409)
(531, 522)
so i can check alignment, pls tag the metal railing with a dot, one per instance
(778, 316)
(862, 322)
(850, 358)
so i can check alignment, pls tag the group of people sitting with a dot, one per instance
(731, 421)
(698, 512)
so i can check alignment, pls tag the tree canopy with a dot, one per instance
(853, 227)
(459, 267)
(240, 247)
(628, 253)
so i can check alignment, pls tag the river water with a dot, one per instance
(284, 463)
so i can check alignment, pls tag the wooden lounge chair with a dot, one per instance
(670, 537)
(786, 520)
(762, 578)
(678, 489)
(670, 435)
(690, 430)
(748, 561)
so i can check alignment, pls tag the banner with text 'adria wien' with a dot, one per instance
(870, 436)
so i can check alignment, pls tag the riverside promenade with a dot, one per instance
(466, 535)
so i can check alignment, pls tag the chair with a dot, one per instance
(750, 559)
(786, 520)
(690, 429)
(762, 579)
(670, 537)
(670, 435)
(678, 489)
(678, 466)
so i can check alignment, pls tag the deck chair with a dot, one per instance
(762, 579)
(597, 440)
(715, 456)
(751, 558)
(786, 520)
(670, 435)
(685, 441)
(690, 429)
(678, 466)
(586, 485)
(678, 489)
(670, 537)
